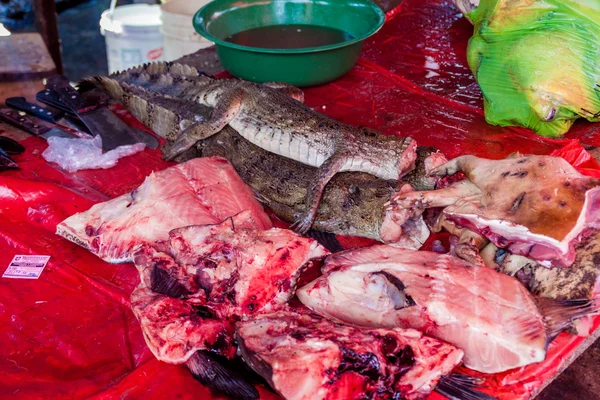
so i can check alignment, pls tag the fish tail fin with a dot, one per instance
(206, 369)
(560, 314)
(458, 386)
(163, 283)
(326, 239)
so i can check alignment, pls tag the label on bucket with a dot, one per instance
(155, 54)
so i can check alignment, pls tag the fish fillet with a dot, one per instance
(198, 192)
(490, 316)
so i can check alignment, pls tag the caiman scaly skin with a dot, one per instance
(272, 116)
(353, 203)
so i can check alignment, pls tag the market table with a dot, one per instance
(71, 333)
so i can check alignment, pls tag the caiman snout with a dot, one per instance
(407, 157)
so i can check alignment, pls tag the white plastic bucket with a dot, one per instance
(132, 35)
(179, 36)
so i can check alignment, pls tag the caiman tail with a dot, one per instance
(166, 115)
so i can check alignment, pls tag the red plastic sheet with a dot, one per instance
(71, 333)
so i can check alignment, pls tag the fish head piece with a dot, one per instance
(369, 297)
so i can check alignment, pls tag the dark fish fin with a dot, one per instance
(162, 282)
(461, 387)
(326, 239)
(560, 314)
(208, 371)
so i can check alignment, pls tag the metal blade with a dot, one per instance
(113, 131)
(56, 132)
(149, 140)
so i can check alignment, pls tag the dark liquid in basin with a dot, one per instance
(289, 36)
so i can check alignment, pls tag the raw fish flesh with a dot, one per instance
(490, 316)
(198, 192)
(306, 357)
(533, 206)
(198, 283)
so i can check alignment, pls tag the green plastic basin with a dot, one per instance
(300, 67)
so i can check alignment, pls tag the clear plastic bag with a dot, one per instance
(536, 62)
(74, 154)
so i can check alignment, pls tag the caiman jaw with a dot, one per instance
(407, 157)
(402, 227)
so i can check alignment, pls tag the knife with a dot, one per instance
(50, 97)
(21, 104)
(35, 126)
(99, 119)
(11, 146)
(67, 118)
(6, 162)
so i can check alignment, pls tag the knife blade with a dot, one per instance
(99, 119)
(6, 162)
(34, 126)
(69, 118)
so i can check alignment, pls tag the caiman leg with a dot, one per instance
(223, 113)
(326, 171)
(289, 90)
(434, 198)
(409, 204)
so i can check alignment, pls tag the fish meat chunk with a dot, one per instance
(174, 329)
(198, 192)
(195, 285)
(306, 357)
(490, 316)
(534, 206)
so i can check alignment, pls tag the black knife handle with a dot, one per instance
(21, 104)
(28, 124)
(49, 97)
(11, 146)
(6, 162)
(67, 94)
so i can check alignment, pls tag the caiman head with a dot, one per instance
(391, 157)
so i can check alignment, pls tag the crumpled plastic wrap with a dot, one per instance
(74, 154)
(537, 62)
